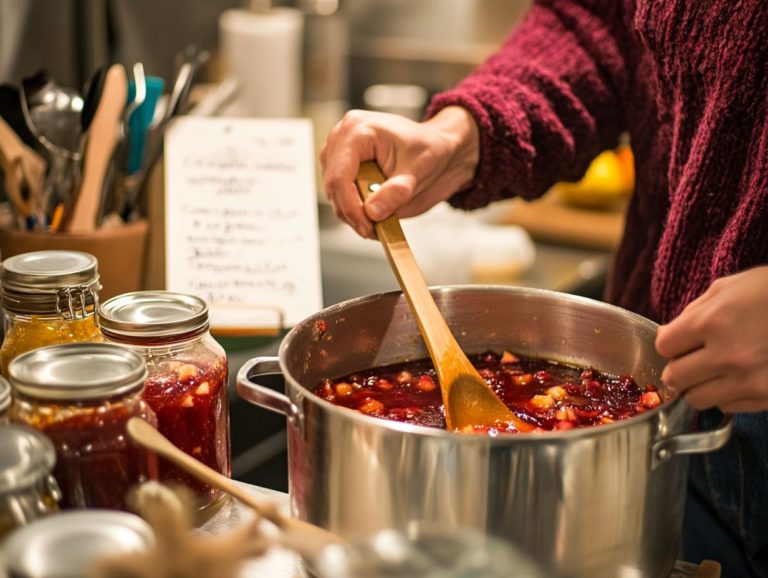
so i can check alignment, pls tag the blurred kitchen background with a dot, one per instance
(379, 54)
(431, 43)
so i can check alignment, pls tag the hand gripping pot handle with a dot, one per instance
(692, 443)
(261, 395)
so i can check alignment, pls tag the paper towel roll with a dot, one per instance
(263, 51)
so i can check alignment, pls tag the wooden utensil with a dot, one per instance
(24, 171)
(468, 399)
(305, 538)
(707, 569)
(103, 134)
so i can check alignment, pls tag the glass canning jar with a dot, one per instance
(187, 376)
(48, 297)
(70, 544)
(27, 488)
(81, 395)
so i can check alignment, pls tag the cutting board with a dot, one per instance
(551, 219)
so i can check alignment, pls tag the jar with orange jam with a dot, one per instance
(186, 384)
(81, 396)
(48, 297)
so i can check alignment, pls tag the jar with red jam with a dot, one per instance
(48, 297)
(81, 395)
(187, 383)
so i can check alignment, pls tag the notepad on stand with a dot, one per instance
(241, 228)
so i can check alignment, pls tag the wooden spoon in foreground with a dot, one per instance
(305, 538)
(469, 401)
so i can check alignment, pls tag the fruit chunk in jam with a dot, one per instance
(546, 394)
(186, 396)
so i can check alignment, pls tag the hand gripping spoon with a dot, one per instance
(469, 401)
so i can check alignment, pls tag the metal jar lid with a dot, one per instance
(49, 281)
(67, 544)
(152, 314)
(77, 371)
(5, 395)
(48, 270)
(26, 457)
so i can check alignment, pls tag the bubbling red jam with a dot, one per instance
(546, 394)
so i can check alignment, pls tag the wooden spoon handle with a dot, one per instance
(439, 339)
(304, 537)
(468, 399)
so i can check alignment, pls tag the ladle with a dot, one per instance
(305, 538)
(53, 114)
(469, 401)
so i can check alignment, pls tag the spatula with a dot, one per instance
(469, 401)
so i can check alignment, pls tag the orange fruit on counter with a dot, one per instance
(606, 182)
(627, 160)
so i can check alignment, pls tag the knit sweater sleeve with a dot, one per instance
(548, 101)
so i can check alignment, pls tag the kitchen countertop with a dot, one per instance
(277, 562)
(281, 563)
(352, 267)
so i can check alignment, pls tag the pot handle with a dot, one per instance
(261, 395)
(692, 443)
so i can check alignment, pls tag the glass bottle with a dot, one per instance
(81, 396)
(187, 383)
(27, 487)
(48, 297)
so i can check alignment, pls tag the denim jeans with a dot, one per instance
(726, 517)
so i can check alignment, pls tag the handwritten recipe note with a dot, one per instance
(241, 219)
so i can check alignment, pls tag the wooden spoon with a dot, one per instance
(305, 538)
(469, 401)
(24, 170)
(103, 134)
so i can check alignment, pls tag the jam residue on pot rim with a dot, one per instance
(547, 394)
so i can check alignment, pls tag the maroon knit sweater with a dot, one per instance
(688, 79)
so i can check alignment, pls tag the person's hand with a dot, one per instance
(425, 163)
(718, 346)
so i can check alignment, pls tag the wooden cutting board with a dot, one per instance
(552, 220)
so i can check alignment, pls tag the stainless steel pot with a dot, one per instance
(602, 502)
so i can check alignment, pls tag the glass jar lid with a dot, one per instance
(50, 282)
(153, 314)
(77, 371)
(67, 544)
(26, 456)
(5, 394)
